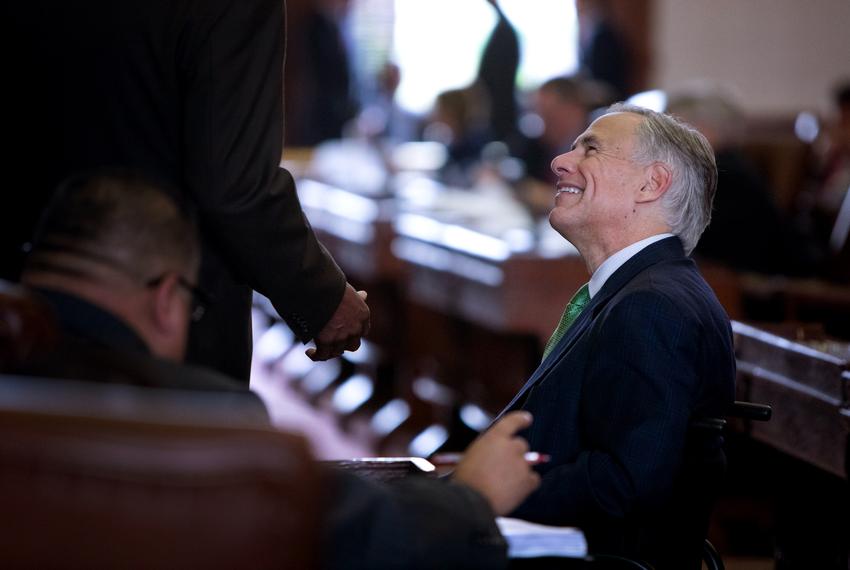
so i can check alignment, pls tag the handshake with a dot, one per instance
(495, 463)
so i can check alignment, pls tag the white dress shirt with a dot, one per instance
(613, 263)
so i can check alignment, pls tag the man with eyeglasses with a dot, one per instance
(116, 260)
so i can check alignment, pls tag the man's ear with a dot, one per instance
(167, 307)
(658, 178)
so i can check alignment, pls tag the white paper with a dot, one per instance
(530, 540)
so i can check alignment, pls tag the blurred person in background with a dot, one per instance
(835, 162)
(832, 201)
(562, 105)
(459, 120)
(321, 99)
(604, 53)
(497, 72)
(832, 194)
(384, 118)
(748, 231)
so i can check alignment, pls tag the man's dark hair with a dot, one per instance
(117, 219)
(579, 90)
(566, 88)
(842, 94)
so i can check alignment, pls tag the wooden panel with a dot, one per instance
(808, 390)
(521, 294)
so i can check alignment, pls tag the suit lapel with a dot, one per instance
(573, 333)
(664, 249)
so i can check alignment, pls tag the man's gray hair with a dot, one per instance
(687, 203)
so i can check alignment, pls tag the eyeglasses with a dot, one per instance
(200, 299)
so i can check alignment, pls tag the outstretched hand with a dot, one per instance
(495, 465)
(345, 328)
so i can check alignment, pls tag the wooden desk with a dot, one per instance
(786, 492)
(482, 308)
(478, 277)
(356, 229)
(809, 390)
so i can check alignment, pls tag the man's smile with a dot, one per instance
(568, 189)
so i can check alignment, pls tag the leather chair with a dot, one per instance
(709, 479)
(746, 411)
(116, 490)
(115, 476)
(27, 328)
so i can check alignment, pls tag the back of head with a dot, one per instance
(464, 110)
(117, 242)
(687, 202)
(712, 111)
(101, 224)
(566, 88)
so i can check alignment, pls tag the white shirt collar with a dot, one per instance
(613, 263)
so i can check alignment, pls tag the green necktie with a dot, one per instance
(571, 312)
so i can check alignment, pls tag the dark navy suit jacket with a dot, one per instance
(613, 404)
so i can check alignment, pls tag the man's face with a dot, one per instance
(597, 181)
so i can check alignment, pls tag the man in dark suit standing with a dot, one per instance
(644, 350)
(191, 94)
(604, 53)
(497, 71)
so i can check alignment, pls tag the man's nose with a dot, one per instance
(564, 163)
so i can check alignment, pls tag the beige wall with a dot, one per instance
(780, 56)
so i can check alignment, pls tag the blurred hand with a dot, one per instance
(343, 331)
(495, 466)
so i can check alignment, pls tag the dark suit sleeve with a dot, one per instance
(233, 120)
(415, 523)
(637, 393)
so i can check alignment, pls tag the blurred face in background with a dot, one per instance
(563, 119)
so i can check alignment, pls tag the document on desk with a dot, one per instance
(531, 540)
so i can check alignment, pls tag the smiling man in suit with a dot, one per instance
(643, 352)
